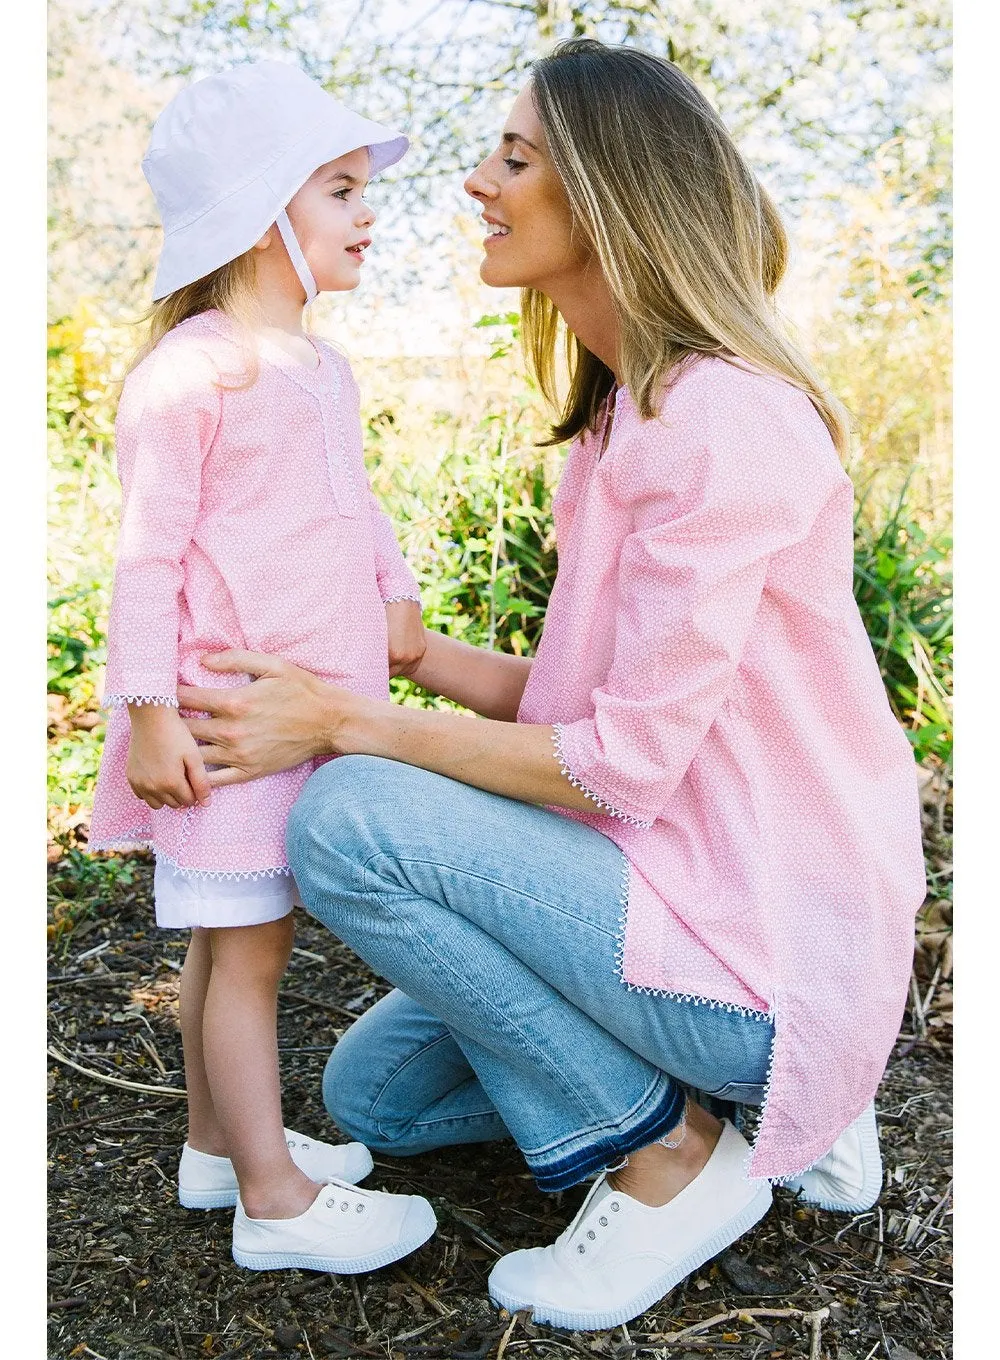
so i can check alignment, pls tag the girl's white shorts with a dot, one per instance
(183, 900)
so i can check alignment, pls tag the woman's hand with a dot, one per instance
(281, 719)
(165, 765)
(407, 641)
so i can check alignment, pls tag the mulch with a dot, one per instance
(132, 1275)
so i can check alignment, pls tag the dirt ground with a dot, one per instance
(132, 1275)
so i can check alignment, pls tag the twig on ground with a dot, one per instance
(151, 1050)
(740, 1315)
(918, 1013)
(178, 1091)
(506, 1336)
(287, 994)
(181, 1351)
(359, 1305)
(417, 1331)
(480, 1234)
(817, 1332)
(424, 1293)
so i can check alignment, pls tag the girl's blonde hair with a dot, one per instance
(689, 242)
(231, 289)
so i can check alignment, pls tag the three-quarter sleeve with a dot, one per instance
(715, 496)
(395, 579)
(167, 419)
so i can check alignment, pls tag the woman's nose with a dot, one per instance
(479, 184)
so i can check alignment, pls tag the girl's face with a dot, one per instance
(332, 221)
(529, 241)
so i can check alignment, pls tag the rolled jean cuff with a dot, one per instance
(593, 1150)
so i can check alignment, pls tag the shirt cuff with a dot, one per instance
(562, 742)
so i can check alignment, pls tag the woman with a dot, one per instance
(696, 789)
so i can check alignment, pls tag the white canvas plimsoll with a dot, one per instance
(344, 1230)
(848, 1179)
(207, 1182)
(618, 1257)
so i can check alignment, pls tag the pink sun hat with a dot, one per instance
(228, 153)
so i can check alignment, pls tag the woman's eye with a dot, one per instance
(514, 165)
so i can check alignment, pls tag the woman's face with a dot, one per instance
(529, 241)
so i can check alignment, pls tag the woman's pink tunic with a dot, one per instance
(715, 693)
(247, 522)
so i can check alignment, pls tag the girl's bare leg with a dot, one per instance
(241, 1062)
(204, 1131)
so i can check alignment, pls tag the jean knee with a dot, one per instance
(332, 828)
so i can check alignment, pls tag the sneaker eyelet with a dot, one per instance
(581, 1248)
(290, 1142)
(615, 1206)
(304, 1146)
(329, 1204)
(361, 1208)
(603, 1221)
(591, 1235)
(344, 1205)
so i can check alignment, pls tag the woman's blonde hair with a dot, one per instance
(231, 289)
(690, 244)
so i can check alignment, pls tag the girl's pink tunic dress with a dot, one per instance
(715, 693)
(247, 522)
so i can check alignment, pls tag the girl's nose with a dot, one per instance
(367, 216)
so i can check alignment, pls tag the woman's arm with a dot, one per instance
(288, 716)
(490, 683)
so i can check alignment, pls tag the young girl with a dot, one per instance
(248, 522)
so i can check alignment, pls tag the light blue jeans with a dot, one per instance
(497, 921)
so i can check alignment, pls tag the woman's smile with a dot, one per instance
(495, 231)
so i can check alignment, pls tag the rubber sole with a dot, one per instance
(226, 1199)
(600, 1320)
(206, 1199)
(341, 1265)
(871, 1162)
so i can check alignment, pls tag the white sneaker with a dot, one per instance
(849, 1178)
(618, 1257)
(207, 1182)
(344, 1230)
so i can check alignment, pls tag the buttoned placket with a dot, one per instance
(323, 385)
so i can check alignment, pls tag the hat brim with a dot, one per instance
(232, 227)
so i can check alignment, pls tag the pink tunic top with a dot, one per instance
(715, 693)
(247, 522)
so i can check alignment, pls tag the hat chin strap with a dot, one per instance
(295, 255)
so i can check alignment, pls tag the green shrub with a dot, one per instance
(903, 586)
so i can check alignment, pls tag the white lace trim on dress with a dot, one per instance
(123, 700)
(139, 840)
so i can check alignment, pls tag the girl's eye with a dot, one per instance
(341, 194)
(514, 165)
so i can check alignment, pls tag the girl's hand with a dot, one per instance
(285, 717)
(407, 641)
(165, 766)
